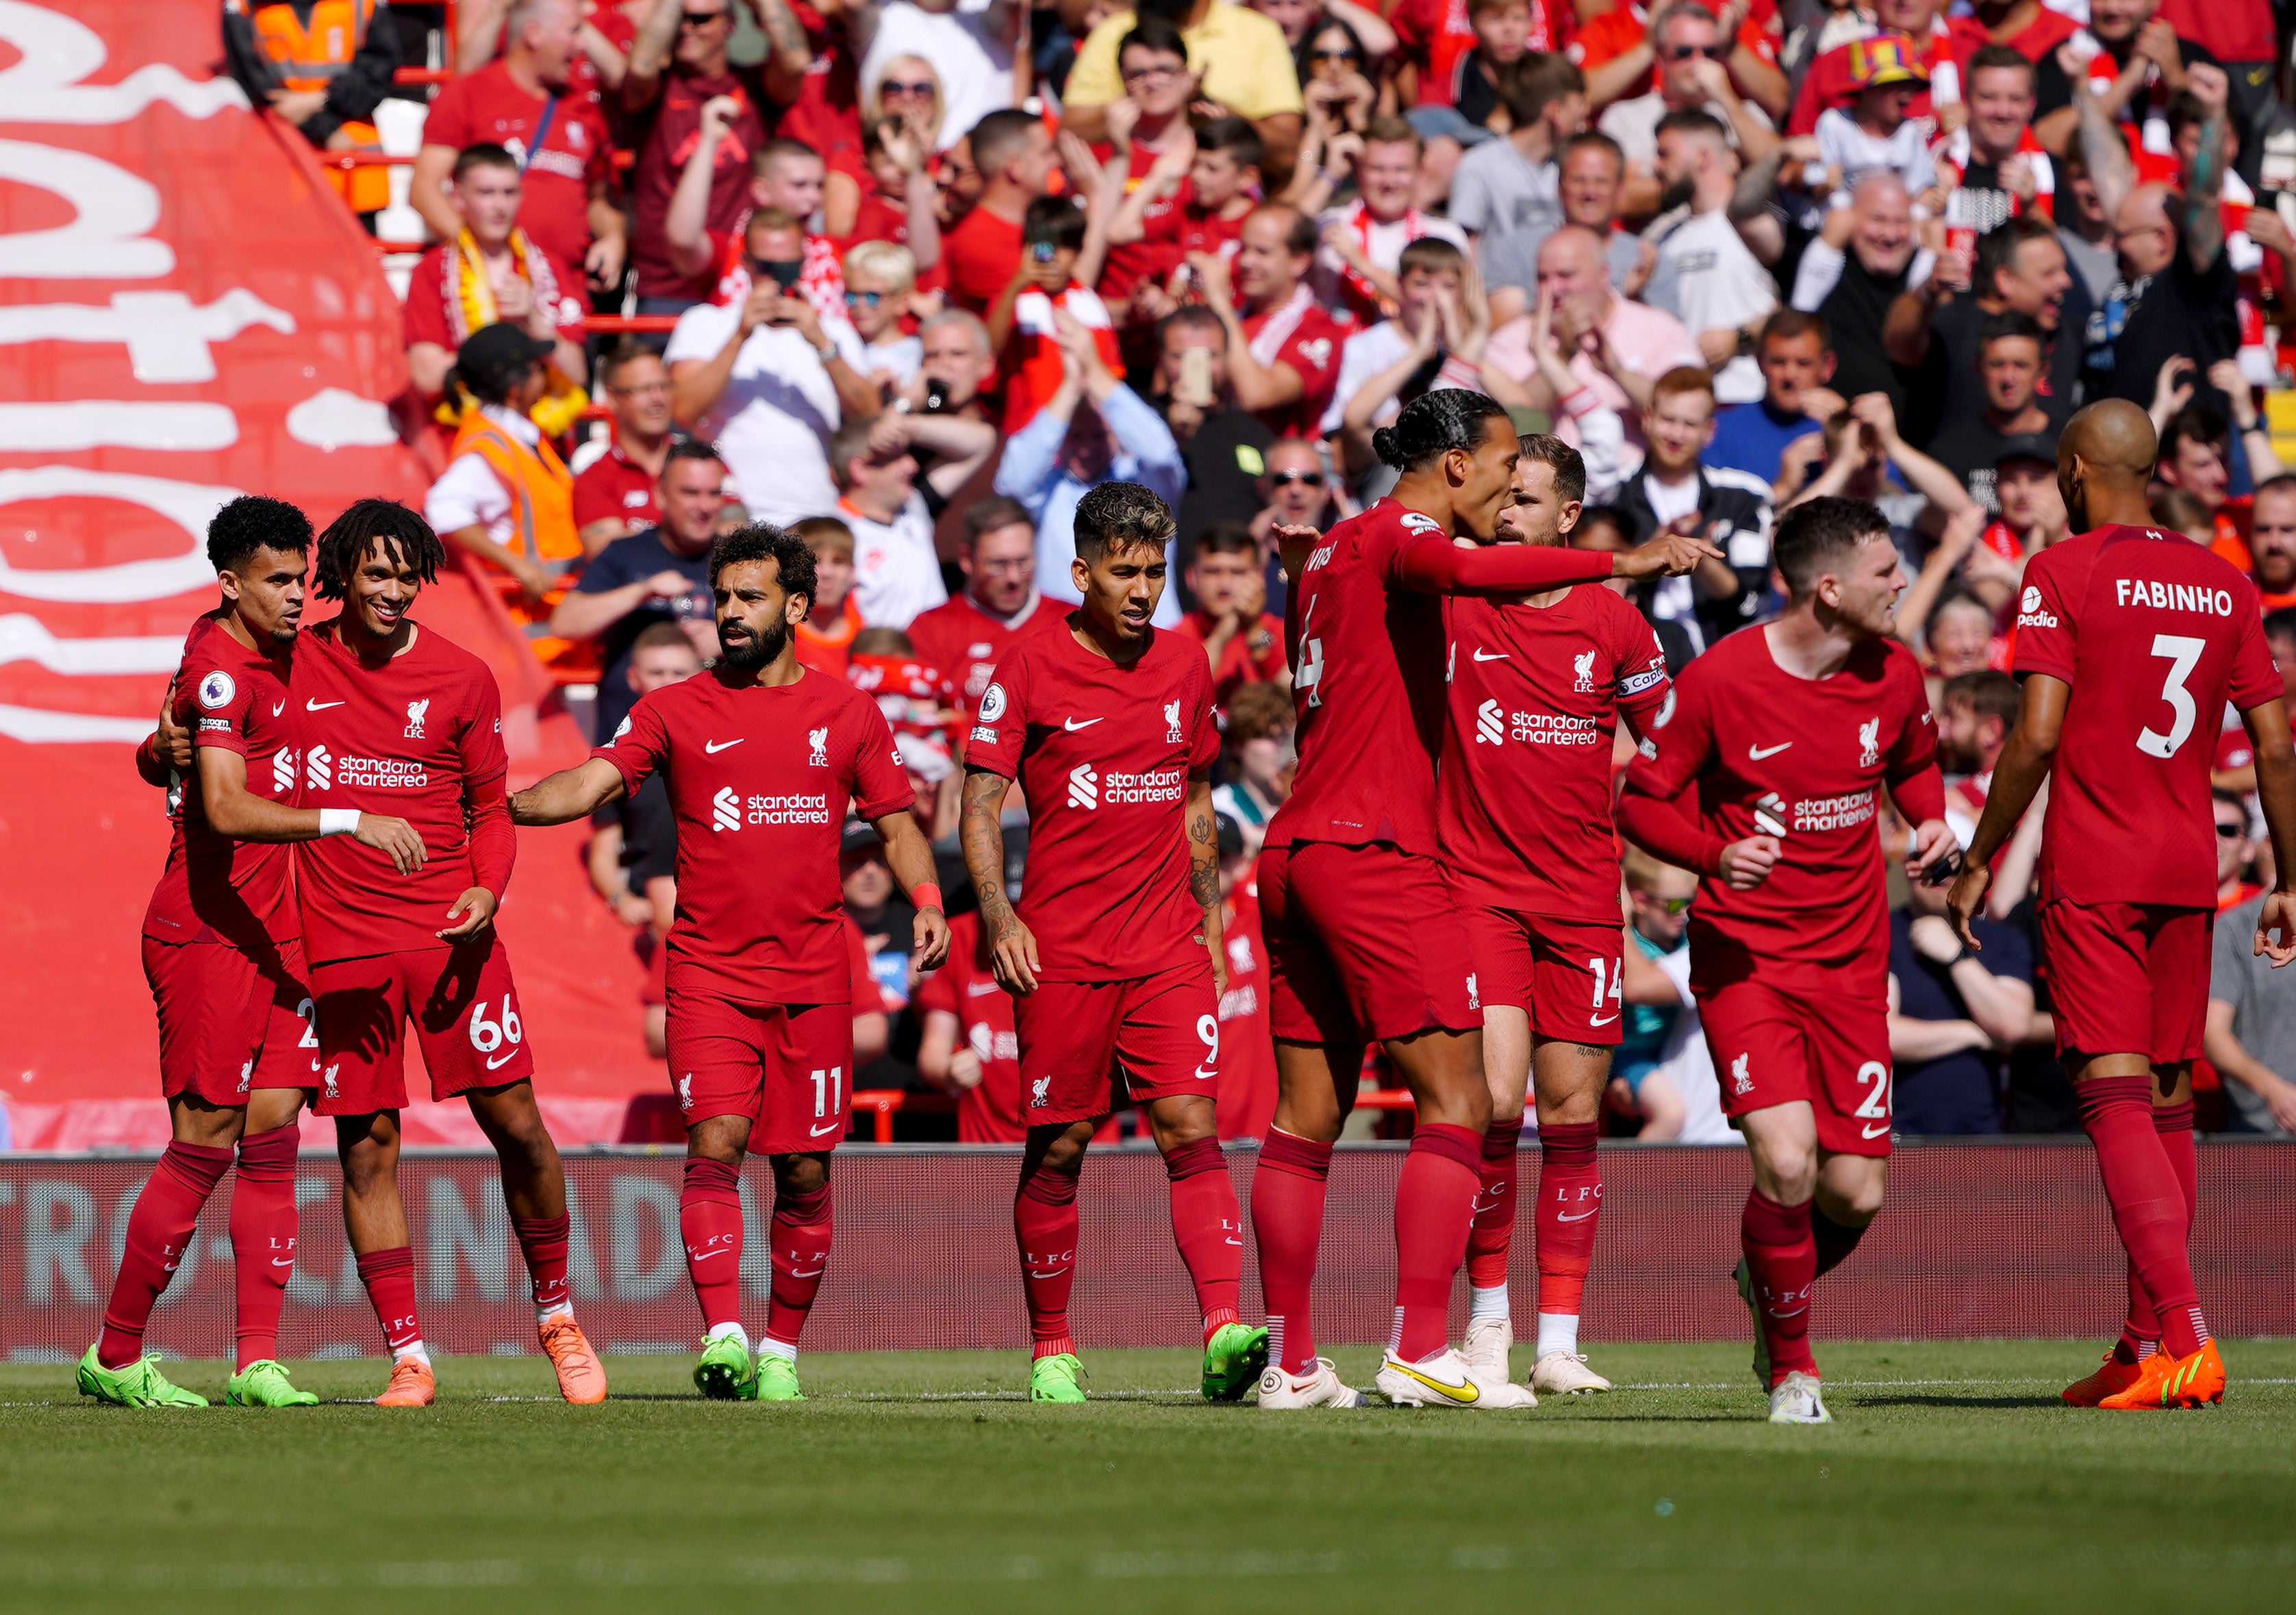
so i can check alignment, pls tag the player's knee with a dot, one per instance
(719, 1138)
(799, 1174)
(1181, 1120)
(1790, 1172)
(1063, 1151)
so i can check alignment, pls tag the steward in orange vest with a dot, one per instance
(343, 52)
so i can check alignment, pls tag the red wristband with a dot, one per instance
(927, 896)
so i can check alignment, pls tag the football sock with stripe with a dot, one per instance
(1569, 1208)
(1434, 1206)
(1045, 1227)
(542, 1241)
(2148, 1202)
(2140, 1337)
(709, 1220)
(1782, 1258)
(389, 1277)
(1287, 1225)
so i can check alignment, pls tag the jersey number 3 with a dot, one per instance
(2183, 653)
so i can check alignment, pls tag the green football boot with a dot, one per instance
(265, 1384)
(1054, 1379)
(777, 1380)
(1233, 1360)
(139, 1384)
(727, 1372)
(1744, 1277)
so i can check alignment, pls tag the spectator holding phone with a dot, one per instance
(1954, 1012)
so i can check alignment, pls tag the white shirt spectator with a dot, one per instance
(1707, 278)
(773, 420)
(1365, 354)
(1906, 153)
(896, 569)
(1634, 124)
(469, 494)
(899, 357)
(970, 49)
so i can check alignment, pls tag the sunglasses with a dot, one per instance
(1296, 478)
(1344, 53)
(1673, 905)
(900, 87)
(864, 300)
(1684, 53)
(699, 19)
(2232, 833)
(1141, 75)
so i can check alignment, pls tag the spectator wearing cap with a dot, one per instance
(1692, 78)
(490, 270)
(1874, 133)
(1242, 640)
(997, 608)
(1245, 1098)
(891, 507)
(506, 497)
(565, 156)
(1935, 40)
(1591, 173)
(1703, 273)
(1243, 62)
(1797, 364)
(785, 175)
(769, 380)
(1952, 1013)
(657, 574)
(1256, 747)
(2009, 353)
(1224, 446)
(614, 490)
(1933, 328)
(1015, 154)
(1864, 259)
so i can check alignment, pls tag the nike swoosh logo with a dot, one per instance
(980, 989)
(834, 1126)
(508, 1055)
(1055, 1272)
(1070, 723)
(810, 1272)
(706, 1255)
(318, 706)
(289, 1262)
(1759, 752)
(1604, 1020)
(1480, 657)
(276, 711)
(714, 747)
(1873, 1132)
(1235, 1241)
(1468, 1392)
(1582, 1217)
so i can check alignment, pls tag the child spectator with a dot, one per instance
(1053, 234)
(1258, 759)
(1196, 205)
(879, 276)
(825, 639)
(920, 707)
(1877, 132)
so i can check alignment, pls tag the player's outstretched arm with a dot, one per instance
(232, 810)
(568, 794)
(1434, 567)
(2017, 776)
(1011, 948)
(2276, 788)
(909, 856)
(1203, 870)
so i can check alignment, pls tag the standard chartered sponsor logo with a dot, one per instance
(724, 809)
(1494, 727)
(387, 773)
(1155, 785)
(1083, 786)
(1490, 724)
(282, 772)
(319, 767)
(729, 810)
(1834, 812)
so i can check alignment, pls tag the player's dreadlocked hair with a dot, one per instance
(252, 522)
(1119, 515)
(1434, 423)
(405, 537)
(763, 541)
(1823, 533)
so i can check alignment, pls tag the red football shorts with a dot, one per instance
(2129, 978)
(787, 1067)
(1086, 1046)
(464, 1006)
(1564, 973)
(1772, 1044)
(1362, 943)
(230, 1020)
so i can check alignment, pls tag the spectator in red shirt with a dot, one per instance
(1013, 152)
(614, 493)
(1244, 640)
(1617, 51)
(1831, 80)
(1283, 350)
(1148, 129)
(524, 102)
(488, 271)
(966, 637)
(902, 203)
(1213, 193)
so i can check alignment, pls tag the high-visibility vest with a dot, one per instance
(541, 492)
(309, 58)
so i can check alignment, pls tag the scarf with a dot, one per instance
(1278, 325)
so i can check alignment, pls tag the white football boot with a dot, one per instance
(1321, 1388)
(1485, 1354)
(1565, 1374)
(1446, 1382)
(1795, 1400)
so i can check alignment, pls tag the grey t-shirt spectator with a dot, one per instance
(1512, 259)
(1497, 191)
(627, 561)
(2263, 1009)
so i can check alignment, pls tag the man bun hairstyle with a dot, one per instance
(1568, 466)
(405, 537)
(1117, 516)
(763, 541)
(1433, 424)
(1822, 534)
(253, 522)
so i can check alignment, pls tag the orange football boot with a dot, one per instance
(2192, 1381)
(411, 1385)
(580, 1379)
(2112, 1377)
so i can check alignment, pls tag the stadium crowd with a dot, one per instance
(938, 268)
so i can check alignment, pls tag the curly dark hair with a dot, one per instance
(763, 541)
(405, 537)
(1119, 515)
(253, 522)
(1433, 424)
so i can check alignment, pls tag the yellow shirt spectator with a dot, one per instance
(1245, 64)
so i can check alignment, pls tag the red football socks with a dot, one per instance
(1834, 1240)
(799, 1238)
(1287, 1225)
(1207, 1228)
(1045, 1227)
(159, 1230)
(2148, 1202)
(543, 1241)
(2140, 1334)
(263, 1239)
(1782, 1258)
(1491, 1234)
(389, 1277)
(710, 1218)
(1569, 1206)
(1434, 1206)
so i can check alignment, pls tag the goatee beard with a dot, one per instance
(761, 646)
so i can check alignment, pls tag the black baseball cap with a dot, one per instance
(2028, 446)
(1230, 833)
(496, 357)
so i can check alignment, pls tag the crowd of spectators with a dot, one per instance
(937, 267)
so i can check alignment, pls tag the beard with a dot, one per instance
(1677, 193)
(756, 647)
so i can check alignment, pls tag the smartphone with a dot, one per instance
(1944, 867)
(1042, 251)
(784, 272)
(1196, 377)
(936, 395)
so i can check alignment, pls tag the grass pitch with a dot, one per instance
(1953, 1478)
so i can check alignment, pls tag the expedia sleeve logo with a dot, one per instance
(215, 690)
(2031, 610)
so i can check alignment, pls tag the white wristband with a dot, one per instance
(339, 821)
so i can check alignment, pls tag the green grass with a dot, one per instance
(917, 1481)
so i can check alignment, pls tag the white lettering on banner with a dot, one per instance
(64, 427)
(59, 51)
(166, 334)
(190, 506)
(24, 637)
(111, 210)
(331, 419)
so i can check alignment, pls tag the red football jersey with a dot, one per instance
(1104, 754)
(1253, 656)
(1804, 760)
(577, 152)
(759, 779)
(990, 1111)
(1535, 698)
(1157, 253)
(2153, 633)
(1298, 333)
(411, 739)
(965, 643)
(615, 485)
(214, 888)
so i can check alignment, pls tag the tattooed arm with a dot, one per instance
(1012, 950)
(1203, 870)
